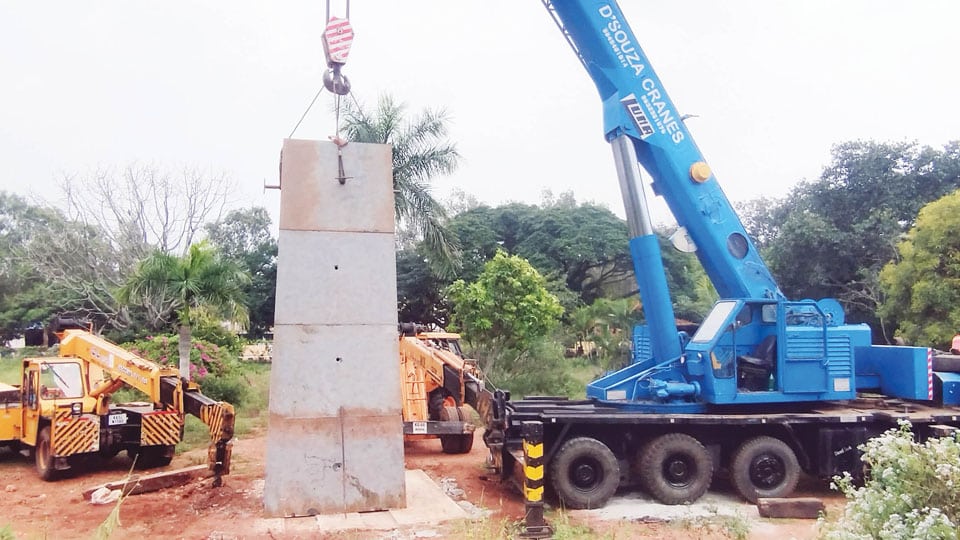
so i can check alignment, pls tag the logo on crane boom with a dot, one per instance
(638, 116)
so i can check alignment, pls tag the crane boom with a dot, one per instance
(636, 105)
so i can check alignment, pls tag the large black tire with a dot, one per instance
(43, 455)
(455, 444)
(764, 467)
(584, 473)
(676, 468)
(149, 457)
(947, 362)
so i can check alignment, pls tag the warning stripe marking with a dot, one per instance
(160, 428)
(929, 373)
(74, 434)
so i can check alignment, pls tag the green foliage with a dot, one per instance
(419, 297)
(210, 329)
(831, 237)
(6, 533)
(25, 296)
(183, 287)
(585, 245)
(230, 388)
(608, 324)
(243, 236)
(205, 358)
(541, 370)
(506, 310)
(922, 288)
(420, 152)
(910, 492)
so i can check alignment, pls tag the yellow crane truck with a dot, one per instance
(437, 383)
(61, 411)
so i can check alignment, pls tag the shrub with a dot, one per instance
(912, 490)
(205, 358)
(540, 370)
(230, 388)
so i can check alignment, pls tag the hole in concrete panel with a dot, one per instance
(339, 359)
(336, 267)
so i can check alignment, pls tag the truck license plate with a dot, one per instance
(419, 428)
(117, 419)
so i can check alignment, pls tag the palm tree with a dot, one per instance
(199, 283)
(419, 154)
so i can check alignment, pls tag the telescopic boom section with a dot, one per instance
(636, 105)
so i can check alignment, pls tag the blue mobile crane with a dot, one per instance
(764, 389)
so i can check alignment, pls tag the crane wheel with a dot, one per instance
(455, 444)
(43, 453)
(584, 473)
(149, 457)
(676, 468)
(764, 467)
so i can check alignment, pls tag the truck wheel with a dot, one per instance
(43, 454)
(676, 468)
(764, 467)
(455, 444)
(149, 457)
(584, 473)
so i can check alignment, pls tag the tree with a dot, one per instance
(505, 311)
(830, 238)
(111, 222)
(147, 207)
(25, 296)
(420, 152)
(243, 236)
(584, 244)
(182, 289)
(419, 291)
(922, 288)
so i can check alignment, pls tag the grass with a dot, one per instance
(251, 414)
(10, 370)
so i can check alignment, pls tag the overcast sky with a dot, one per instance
(219, 85)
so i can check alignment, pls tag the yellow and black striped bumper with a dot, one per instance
(160, 428)
(74, 434)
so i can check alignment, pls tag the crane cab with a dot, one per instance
(761, 351)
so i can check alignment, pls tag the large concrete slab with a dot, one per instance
(336, 278)
(335, 441)
(320, 370)
(312, 199)
(426, 504)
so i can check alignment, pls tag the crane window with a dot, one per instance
(713, 324)
(60, 381)
(737, 245)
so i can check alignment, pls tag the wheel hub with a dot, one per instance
(767, 471)
(678, 470)
(585, 474)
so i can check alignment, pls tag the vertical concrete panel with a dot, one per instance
(320, 369)
(363, 449)
(335, 439)
(304, 470)
(336, 278)
(312, 198)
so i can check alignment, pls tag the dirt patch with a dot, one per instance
(38, 509)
